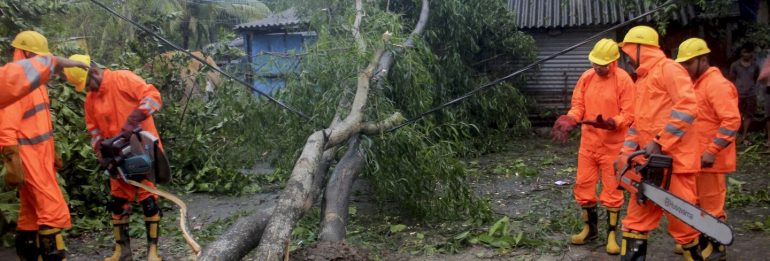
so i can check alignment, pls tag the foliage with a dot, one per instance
(20, 15)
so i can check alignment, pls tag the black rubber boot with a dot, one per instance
(26, 246)
(50, 243)
(589, 232)
(633, 247)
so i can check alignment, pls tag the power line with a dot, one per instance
(201, 60)
(488, 85)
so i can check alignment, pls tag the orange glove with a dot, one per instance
(14, 171)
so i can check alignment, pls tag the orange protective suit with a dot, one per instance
(717, 125)
(21, 77)
(610, 96)
(27, 123)
(664, 109)
(120, 93)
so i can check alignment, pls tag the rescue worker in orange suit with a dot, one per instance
(601, 101)
(117, 103)
(664, 108)
(717, 124)
(27, 146)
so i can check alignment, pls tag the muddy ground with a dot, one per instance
(519, 181)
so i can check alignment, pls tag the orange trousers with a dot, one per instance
(592, 166)
(711, 193)
(646, 217)
(121, 189)
(41, 202)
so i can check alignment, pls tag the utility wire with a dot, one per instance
(525, 68)
(169, 43)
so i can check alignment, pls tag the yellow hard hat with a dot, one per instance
(642, 35)
(31, 41)
(605, 51)
(691, 48)
(78, 76)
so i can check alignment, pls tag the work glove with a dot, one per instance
(600, 123)
(134, 120)
(561, 128)
(707, 160)
(14, 170)
(652, 148)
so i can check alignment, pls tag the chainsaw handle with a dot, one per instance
(634, 155)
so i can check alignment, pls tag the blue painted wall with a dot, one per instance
(272, 56)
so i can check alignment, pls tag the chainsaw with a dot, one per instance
(137, 157)
(651, 180)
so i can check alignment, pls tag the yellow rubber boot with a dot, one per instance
(589, 231)
(633, 247)
(712, 251)
(50, 242)
(153, 231)
(613, 214)
(122, 250)
(692, 251)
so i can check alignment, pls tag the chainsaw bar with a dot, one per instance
(691, 215)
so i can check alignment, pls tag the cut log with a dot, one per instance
(337, 195)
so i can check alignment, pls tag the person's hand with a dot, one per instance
(652, 148)
(561, 128)
(707, 160)
(58, 163)
(134, 120)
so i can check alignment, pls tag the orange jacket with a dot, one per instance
(665, 107)
(119, 94)
(718, 119)
(24, 76)
(612, 97)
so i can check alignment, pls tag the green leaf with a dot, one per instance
(397, 228)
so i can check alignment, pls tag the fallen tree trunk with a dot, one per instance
(337, 196)
(294, 200)
(241, 238)
(245, 234)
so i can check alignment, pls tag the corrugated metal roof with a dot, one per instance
(283, 19)
(531, 14)
(552, 84)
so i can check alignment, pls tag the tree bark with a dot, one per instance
(337, 195)
(245, 234)
(241, 238)
(294, 200)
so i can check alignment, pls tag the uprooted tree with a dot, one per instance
(401, 72)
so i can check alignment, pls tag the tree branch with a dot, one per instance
(342, 131)
(388, 58)
(357, 27)
(371, 128)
